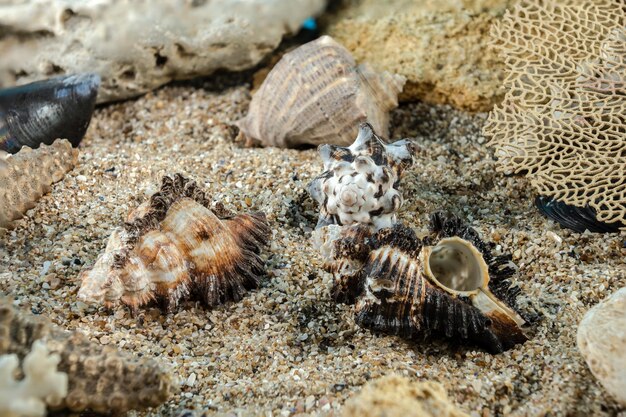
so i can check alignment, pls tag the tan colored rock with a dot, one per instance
(440, 46)
(602, 341)
(138, 45)
(397, 396)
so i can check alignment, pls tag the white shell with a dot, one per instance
(359, 183)
(317, 94)
(602, 341)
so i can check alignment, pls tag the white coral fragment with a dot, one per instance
(42, 383)
(359, 183)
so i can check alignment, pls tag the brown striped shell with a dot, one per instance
(442, 285)
(317, 94)
(175, 247)
(27, 175)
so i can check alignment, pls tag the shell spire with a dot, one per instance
(317, 94)
(439, 285)
(175, 247)
(360, 182)
(26, 176)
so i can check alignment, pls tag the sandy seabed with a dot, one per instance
(287, 348)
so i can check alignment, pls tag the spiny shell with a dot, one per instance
(441, 285)
(43, 111)
(175, 247)
(360, 183)
(101, 378)
(317, 94)
(28, 175)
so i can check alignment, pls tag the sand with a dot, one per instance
(287, 348)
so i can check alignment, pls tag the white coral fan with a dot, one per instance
(359, 184)
(42, 383)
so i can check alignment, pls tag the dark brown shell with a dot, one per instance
(393, 295)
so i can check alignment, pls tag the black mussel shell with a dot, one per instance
(43, 111)
(575, 218)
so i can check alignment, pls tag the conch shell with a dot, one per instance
(439, 285)
(174, 247)
(317, 94)
(360, 183)
(28, 175)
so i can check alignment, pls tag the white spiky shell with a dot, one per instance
(359, 182)
(317, 94)
(28, 175)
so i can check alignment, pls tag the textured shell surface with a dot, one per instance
(447, 284)
(317, 94)
(360, 183)
(100, 378)
(601, 338)
(175, 247)
(43, 111)
(26, 176)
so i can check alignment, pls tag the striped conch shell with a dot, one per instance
(444, 284)
(317, 94)
(175, 247)
(29, 174)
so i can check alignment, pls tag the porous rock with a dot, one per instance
(397, 396)
(136, 46)
(440, 46)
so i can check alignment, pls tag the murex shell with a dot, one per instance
(43, 111)
(317, 94)
(175, 247)
(360, 183)
(443, 284)
(28, 175)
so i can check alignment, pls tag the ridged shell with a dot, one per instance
(174, 248)
(439, 285)
(360, 182)
(101, 378)
(317, 94)
(29, 174)
(43, 111)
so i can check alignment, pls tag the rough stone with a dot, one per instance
(397, 396)
(602, 341)
(440, 46)
(137, 46)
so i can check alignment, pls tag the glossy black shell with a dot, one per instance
(43, 111)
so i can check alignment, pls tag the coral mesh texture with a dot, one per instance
(563, 119)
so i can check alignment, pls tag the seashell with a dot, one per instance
(575, 218)
(100, 378)
(44, 111)
(317, 94)
(174, 247)
(601, 339)
(28, 175)
(443, 284)
(360, 183)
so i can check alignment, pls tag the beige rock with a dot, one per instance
(440, 46)
(138, 45)
(602, 341)
(397, 396)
